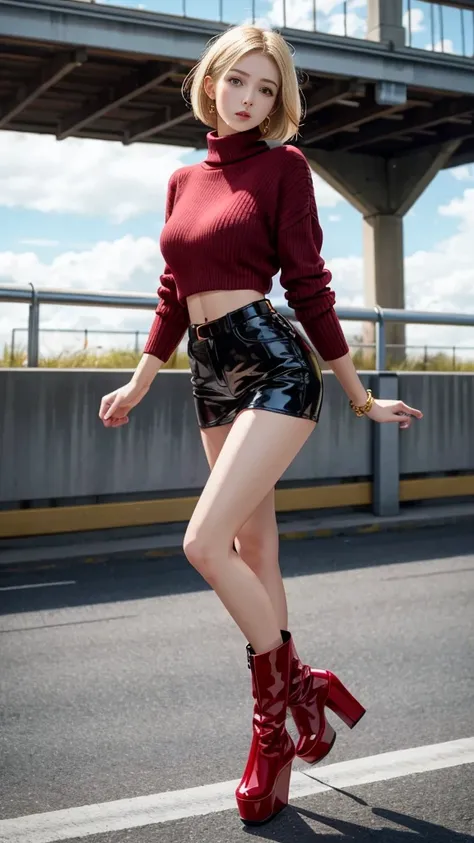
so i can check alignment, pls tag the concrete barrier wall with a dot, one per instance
(54, 447)
(444, 440)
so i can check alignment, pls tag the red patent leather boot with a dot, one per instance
(264, 788)
(311, 691)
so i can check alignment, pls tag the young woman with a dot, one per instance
(232, 221)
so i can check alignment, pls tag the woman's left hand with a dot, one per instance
(393, 411)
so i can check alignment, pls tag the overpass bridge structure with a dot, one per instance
(382, 118)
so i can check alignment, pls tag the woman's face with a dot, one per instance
(250, 86)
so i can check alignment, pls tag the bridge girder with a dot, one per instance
(65, 71)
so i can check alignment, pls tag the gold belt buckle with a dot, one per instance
(198, 334)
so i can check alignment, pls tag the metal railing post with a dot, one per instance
(385, 452)
(380, 350)
(12, 348)
(33, 329)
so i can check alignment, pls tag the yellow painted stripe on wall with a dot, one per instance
(323, 497)
(71, 519)
(427, 488)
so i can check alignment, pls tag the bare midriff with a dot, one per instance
(204, 307)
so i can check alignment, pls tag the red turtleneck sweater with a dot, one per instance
(234, 220)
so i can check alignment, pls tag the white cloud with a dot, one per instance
(90, 177)
(334, 218)
(120, 264)
(463, 173)
(444, 46)
(414, 18)
(326, 196)
(126, 264)
(300, 15)
(355, 25)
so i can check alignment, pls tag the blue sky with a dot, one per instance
(88, 214)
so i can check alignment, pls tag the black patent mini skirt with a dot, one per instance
(252, 358)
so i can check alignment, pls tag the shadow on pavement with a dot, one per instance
(291, 825)
(119, 579)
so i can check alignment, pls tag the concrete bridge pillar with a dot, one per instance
(383, 190)
(385, 22)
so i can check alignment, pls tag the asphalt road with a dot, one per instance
(129, 679)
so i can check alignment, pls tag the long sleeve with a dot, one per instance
(171, 318)
(303, 273)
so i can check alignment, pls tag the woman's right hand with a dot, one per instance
(115, 407)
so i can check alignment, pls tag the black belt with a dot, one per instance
(208, 330)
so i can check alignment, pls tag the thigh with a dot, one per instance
(262, 522)
(257, 450)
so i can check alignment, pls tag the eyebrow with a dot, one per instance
(236, 70)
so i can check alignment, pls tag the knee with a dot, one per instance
(202, 554)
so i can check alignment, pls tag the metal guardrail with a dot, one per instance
(446, 22)
(34, 297)
(353, 343)
(459, 24)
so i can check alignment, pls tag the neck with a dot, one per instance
(228, 149)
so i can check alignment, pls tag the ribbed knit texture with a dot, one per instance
(232, 222)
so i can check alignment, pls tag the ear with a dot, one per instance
(209, 87)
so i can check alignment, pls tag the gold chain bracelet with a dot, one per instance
(361, 411)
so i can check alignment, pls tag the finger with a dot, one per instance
(411, 411)
(113, 407)
(402, 418)
(116, 421)
(104, 405)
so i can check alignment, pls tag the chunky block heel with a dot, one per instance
(311, 691)
(342, 703)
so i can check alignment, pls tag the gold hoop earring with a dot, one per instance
(212, 108)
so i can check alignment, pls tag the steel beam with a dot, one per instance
(457, 4)
(334, 92)
(49, 74)
(141, 129)
(361, 116)
(440, 113)
(450, 133)
(124, 91)
(464, 156)
(133, 32)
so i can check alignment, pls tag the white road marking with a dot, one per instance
(196, 801)
(37, 585)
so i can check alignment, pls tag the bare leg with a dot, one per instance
(257, 542)
(255, 454)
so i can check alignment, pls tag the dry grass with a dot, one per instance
(83, 359)
(128, 359)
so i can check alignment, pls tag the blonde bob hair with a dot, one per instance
(223, 52)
